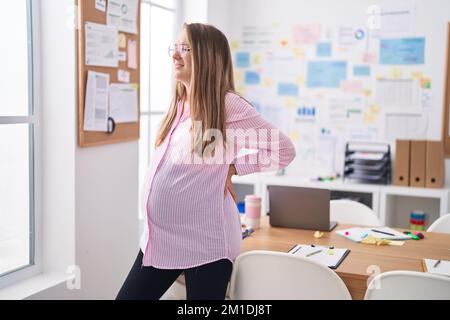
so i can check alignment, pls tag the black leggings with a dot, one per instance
(205, 282)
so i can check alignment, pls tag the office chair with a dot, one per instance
(352, 212)
(408, 285)
(269, 275)
(441, 225)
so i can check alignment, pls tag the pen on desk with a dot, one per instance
(437, 263)
(378, 231)
(313, 253)
(296, 250)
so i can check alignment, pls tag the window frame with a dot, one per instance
(35, 146)
(177, 18)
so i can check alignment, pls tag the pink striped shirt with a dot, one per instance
(189, 221)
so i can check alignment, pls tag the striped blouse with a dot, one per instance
(188, 219)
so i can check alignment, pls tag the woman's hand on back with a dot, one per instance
(228, 184)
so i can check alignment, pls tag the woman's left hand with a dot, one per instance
(228, 184)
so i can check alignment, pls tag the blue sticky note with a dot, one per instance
(361, 71)
(242, 59)
(323, 49)
(326, 74)
(252, 77)
(402, 51)
(287, 89)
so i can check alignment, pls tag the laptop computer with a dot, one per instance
(301, 208)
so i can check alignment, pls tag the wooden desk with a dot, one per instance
(363, 261)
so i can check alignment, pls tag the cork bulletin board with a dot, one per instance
(87, 12)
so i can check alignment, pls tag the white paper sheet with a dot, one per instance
(405, 126)
(403, 93)
(123, 105)
(96, 102)
(443, 268)
(100, 5)
(397, 21)
(101, 45)
(122, 14)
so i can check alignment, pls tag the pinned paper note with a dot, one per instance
(123, 14)
(122, 41)
(123, 103)
(123, 76)
(132, 54)
(100, 5)
(96, 102)
(101, 45)
(122, 56)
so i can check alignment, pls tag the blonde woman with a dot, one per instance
(192, 223)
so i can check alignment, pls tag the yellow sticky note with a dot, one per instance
(268, 82)
(290, 103)
(396, 243)
(374, 108)
(122, 41)
(235, 44)
(396, 73)
(369, 118)
(257, 59)
(416, 75)
(300, 80)
(241, 90)
(294, 135)
(367, 92)
(299, 52)
(135, 86)
(238, 75)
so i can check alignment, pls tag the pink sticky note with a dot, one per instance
(306, 34)
(369, 58)
(351, 86)
(132, 54)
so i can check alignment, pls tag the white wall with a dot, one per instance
(194, 11)
(90, 195)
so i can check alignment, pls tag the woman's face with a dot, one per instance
(182, 59)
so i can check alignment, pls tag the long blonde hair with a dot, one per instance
(211, 79)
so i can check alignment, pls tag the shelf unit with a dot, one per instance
(391, 204)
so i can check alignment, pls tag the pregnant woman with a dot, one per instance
(209, 134)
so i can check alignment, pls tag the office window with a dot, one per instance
(157, 34)
(18, 123)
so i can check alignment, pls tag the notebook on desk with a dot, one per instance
(359, 234)
(439, 267)
(328, 256)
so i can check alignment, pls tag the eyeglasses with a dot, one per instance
(181, 49)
